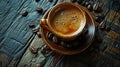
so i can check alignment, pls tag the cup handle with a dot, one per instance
(43, 24)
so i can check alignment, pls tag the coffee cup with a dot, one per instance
(65, 20)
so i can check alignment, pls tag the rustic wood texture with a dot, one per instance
(15, 34)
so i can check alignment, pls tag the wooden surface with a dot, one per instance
(16, 37)
(15, 34)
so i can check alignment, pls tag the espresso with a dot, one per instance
(66, 21)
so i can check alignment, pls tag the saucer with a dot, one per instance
(90, 26)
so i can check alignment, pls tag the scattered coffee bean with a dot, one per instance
(63, 43)
(38, 65)
(73, 1)
(89, 7)
(101, 15)
(33, 50)
(39, 10)
(39, 34)
(87, 3)
(98, 19)
(49, 35)
(102, 26)
(55, 39)
(35, 31)
(37, 0)
(45, 49)
(25, 13)
(97, 8)
(31, 25)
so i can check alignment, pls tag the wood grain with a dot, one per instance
(15, 34)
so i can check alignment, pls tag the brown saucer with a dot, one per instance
(90, 26)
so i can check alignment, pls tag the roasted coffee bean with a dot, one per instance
(63, 43)
(55, 39)
(73, 1)
(101, 15)
(98, 19)
(89, 7)
(25, 13)
(39, 34)
(39, 10)
(38, 65)
(102, 26)
(33, 50)
(35, 31)
(97, 8)
(31, 25)
(87, 3)
(49, 35)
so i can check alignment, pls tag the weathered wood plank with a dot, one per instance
(15, 34)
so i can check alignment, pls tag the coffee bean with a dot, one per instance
(89, 7)
(63, 43)
(37, 0)
(73, 1)
(49, 35)
(55, 39)
(38, 65)
(87, 3)
(39, 10)
(102, 26)
(101, 15)
(25, 13)
(39, 34)
(97, 8)
(31, 25)
(33, 50)
(35, 31)
(98, 19)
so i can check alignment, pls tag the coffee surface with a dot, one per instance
(66, 21)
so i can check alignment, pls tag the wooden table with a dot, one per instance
(17, 38)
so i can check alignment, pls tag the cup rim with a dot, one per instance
(73, 35)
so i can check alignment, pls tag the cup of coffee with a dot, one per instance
(65, 20)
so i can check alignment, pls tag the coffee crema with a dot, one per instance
(67, 21)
